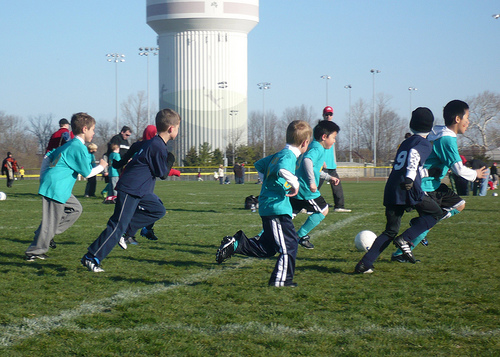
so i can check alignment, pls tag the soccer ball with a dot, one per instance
(364, 240)
(3, 196)
(493, 194)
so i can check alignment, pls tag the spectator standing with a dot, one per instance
(330, 168)
(220, 174)
(60, 137)
(9, 168)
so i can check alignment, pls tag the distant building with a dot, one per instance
(203, 67)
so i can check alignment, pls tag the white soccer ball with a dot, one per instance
(3, 196)
(493, 194)
(364, 240)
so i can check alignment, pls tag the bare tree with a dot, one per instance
(301, 113)
(484, 127)
(41, 127)
(135, 113)
(104, 130)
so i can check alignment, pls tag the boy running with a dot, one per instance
(445, 156)
(403, 193)
(136, 204)
(60, 169)
(309, 174)
(278, 185)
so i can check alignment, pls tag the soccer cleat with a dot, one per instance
(304, 241)
(401, 259)
(424, 242)
(404, 246)
(362, 269)
(226, 249)
(91, 265)
(122, 243)
(52, 244)
(33, 257)
(342, 210)
(149, 234)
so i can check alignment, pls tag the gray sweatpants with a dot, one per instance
(56, 218)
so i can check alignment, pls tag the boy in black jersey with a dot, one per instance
(403, 193)
(136, 204)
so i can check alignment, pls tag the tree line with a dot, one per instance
(27, 138)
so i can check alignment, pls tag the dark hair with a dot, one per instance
(452, 110)
(325, 127)
(125, 129)
(166, 118)
(79, 120)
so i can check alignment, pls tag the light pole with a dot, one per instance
(350, 125)
(263, 86)
(374, 71)
(116, 57)
(231, 113)
(411, 89)
(223, 85)
(146, 51)
(326, 78)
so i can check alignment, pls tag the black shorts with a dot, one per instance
(311, 206)
(446, 198)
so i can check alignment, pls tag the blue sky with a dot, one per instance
(52, 58)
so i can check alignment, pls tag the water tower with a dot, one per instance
(203, 67)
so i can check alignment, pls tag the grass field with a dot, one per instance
(170, 298)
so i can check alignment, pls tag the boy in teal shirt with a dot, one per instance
(309, 174)
(279, 183)
(113, 173)
(444, 157)
(60, 169)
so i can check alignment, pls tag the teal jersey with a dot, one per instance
(444, 155)
(330, 161)
(66, 162)
(272, 198)
(113, 156)
(316, 152)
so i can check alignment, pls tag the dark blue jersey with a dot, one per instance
(409, 161)
(140, 175)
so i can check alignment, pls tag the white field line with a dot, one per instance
(274, 329)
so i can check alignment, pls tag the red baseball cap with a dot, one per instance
(327, 110)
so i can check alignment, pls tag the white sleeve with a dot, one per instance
(96, 170)
(291, 178)
(462, 171)
(413, 162)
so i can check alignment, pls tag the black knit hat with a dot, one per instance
(421, 120)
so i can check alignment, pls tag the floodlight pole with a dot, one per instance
(411, 89)
(146, 51)
(374, 71)
(350, 124)
(263, 86)
(116, 57)
(326, 78)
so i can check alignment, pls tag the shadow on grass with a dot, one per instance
(175, 263)
(141, 281)
(192, 210)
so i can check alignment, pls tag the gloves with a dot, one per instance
(435, 172)
(407, 185)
